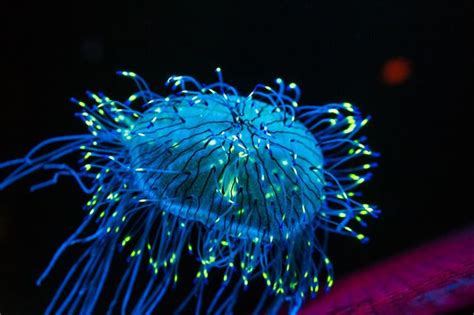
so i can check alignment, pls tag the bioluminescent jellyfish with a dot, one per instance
(249, 186)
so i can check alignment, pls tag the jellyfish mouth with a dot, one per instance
(214, 221)
(232, 227)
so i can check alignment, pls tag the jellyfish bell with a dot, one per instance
(237, 170)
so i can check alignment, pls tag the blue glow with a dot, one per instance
(260, 179)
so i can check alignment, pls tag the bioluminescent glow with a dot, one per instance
(250, 186)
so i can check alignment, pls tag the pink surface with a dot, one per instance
(435, 278)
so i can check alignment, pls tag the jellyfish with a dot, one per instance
(248, 187)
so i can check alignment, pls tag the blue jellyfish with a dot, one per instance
(250, 186)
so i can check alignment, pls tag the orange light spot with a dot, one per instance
(396, 71)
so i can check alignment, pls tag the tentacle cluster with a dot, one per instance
(127, 215)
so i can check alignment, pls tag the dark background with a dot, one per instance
(334, 50)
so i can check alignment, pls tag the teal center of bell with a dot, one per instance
(238, 165)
